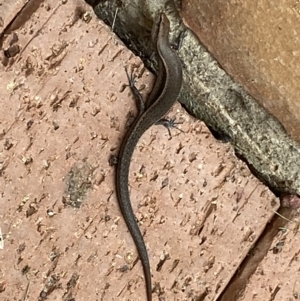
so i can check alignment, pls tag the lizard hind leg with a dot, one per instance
(169, 124)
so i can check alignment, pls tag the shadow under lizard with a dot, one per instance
(162, 97)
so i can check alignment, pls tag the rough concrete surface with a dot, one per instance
(65, 107)
(257, 43)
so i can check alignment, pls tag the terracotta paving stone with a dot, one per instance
(64, 110)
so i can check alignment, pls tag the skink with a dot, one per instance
(161, 99)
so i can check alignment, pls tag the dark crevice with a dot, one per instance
(235, 288)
